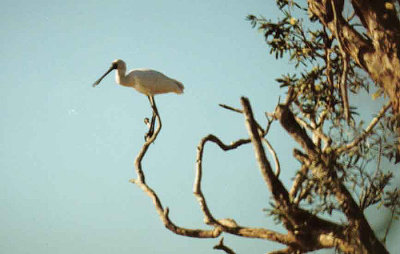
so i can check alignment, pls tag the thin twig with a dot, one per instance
(328, 72)
(300, 176)
(222, 246)
(389, 225)
(297, 184)
(274, 155)
(263, 133)
(231, 108)
(367, 131)
(315, 131)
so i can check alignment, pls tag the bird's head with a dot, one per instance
(116, 64)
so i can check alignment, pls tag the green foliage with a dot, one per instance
(317, 102)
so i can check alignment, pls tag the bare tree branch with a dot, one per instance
(163, 213)
(274, 156)
(263, 133)
(230, 108)
(279, 192)
(367, 131)
(296, 219)
(222, 246)
(229, 225)
(208, 218)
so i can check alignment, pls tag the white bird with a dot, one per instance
(145, 81)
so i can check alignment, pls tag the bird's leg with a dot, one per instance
(153, 118)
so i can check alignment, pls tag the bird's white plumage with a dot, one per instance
(145, 81)
(149, 82)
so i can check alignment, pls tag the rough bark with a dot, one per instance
(363, 237)
(377, 51)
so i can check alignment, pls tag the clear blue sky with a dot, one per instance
(67, 149)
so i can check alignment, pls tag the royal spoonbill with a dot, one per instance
(145, 81)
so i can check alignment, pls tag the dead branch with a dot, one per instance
(208, 218)
(274, 156)
(263, 133)
(230, 108)
(163, 212)
(295, 219)
(276, 187)
(222, 246)
(229, 225)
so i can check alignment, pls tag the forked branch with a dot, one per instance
(367, 131)
(163, 212)
(229, 225)
(295, 218)
(219, 226)
(222, 246)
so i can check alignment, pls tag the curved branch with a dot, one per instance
(163, 213)
(263, 133)
(208, 218)
(274, 156)
(229, 225)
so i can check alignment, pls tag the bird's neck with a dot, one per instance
(120, 76)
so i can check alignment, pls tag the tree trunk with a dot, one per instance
(377, 51)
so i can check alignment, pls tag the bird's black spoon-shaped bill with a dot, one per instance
(105, 74)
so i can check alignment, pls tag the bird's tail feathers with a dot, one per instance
(180, 87)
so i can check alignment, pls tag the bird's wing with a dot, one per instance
(153, 82)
